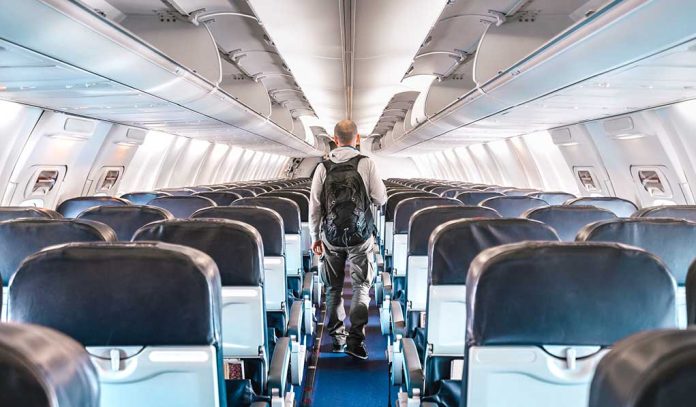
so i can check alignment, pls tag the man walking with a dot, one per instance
(341, 225)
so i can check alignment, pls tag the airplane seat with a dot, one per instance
(269, 225)
(541, 315)
(248, 287)
(22, 212)
(687, 212)
(649, 369)
(520, 191)
(623, 208)
(395, 279)
(440, 189)
(671, 240)
(181, 207)
(388, 221)
(302, 202)
(452, 247)
(125, 220)
(300, 282)
(40, 367)
(199, 189)
(22, 237)
(244, 193)
(177, 191)
(72, 207)
(147, 313)
(143, 198)
(567, 221)
(512, 206)
(473, 198)
(219, 197)
(553, 198)
(453, 192)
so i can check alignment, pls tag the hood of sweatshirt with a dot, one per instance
(343, 154)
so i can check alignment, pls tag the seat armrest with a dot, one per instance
(307, 285)
(397, 317)
(278, 371)
(379, 260)
(413, 371)
(386, 282)
(295, 320)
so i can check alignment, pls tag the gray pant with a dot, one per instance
(361, 275)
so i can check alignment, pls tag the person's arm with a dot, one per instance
(315, 208)
(378, 192)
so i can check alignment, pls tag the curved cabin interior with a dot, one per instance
(535, 248)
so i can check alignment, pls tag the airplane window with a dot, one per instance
(109, 180)
(587, 180)
(651, 182)
(45, 182)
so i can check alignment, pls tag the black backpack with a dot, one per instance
(345, 204)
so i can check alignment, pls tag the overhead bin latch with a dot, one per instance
(499, 18)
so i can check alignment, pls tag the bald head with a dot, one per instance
(346, 133)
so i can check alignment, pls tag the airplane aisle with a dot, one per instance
(342, 380)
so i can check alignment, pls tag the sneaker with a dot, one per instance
(338, 347)
(357, 351)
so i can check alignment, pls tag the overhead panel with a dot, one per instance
(108, 74)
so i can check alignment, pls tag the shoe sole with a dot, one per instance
(348, 352)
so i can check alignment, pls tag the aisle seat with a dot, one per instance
(541, 316)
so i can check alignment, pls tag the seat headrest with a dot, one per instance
(552, 293)
(22, 237)
(687, 212)
(568, 220)
(553, 198)
(300, 199)
(244, 193)
(142, 198)
(235, 247)
(219, 197)
(455, 244)
(200, 189)
(649, 369)
(669, 239)
(121, 294)
(266, 221)
(44, 368)
(182, 206)
(393, 200)
(177, 191)
(125, 220)
(621, 207)
(519, 192)
(406, 208)
(287, 209)
(513, 206)
(475, 198)
(453, 192)
(72, 207)
(426, 220)
(19, 212)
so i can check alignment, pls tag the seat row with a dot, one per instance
(229, 307)
(445, 245)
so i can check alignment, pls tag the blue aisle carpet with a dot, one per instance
(344, 381)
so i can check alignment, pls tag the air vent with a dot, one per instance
(78, 125)
(268, 41)
(618, 126)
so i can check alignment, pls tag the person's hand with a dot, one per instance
(318, 248)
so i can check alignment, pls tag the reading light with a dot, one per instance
(68, 137)
(628, 136)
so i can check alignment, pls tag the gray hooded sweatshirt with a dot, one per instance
(366, 168)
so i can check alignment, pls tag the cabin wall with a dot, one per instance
(76, 154)
(648, 157)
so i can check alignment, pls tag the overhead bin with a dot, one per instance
(517, 94)
(100, 70)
